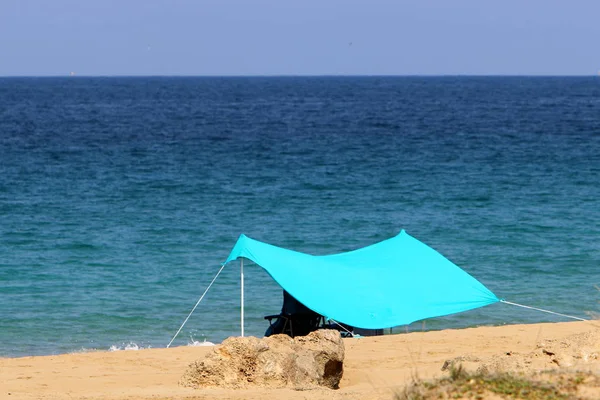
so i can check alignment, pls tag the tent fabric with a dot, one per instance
(394, 282)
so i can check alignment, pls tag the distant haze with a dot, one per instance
(269, 37)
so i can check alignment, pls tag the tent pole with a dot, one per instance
(242, 291)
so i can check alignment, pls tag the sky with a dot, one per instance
(308, 37)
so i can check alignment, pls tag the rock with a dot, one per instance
(277, 361)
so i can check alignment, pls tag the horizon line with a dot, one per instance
(75, 75)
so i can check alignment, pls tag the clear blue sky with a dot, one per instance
(283, 37)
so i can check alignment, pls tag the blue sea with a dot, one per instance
(121, 197)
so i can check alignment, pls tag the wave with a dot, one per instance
(128, 346)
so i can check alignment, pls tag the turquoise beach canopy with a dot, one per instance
(394, 282)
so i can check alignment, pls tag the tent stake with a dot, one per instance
(242, 291)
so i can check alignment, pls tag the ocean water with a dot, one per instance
(120, 197)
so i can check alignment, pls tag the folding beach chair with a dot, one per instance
(295, 319)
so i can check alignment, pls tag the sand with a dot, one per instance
(374, 368)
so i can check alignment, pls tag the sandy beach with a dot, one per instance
(374, 368)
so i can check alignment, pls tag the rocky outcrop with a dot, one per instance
(277, 361)
(579, 352)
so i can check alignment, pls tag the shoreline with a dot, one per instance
(374, 367)
(396, 332)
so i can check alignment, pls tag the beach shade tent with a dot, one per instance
(394, 282)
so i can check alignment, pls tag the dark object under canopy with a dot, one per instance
(296, 319)
(394, 282)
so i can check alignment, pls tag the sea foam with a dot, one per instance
(197, 343)
(128, 346)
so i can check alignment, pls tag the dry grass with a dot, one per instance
(463, 385)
